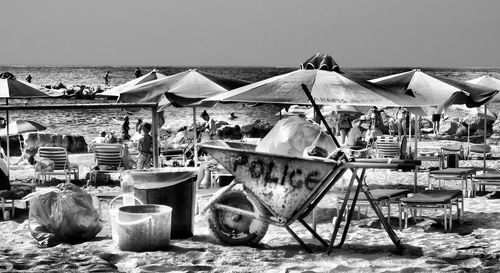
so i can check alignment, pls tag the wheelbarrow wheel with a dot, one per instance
(235, 229)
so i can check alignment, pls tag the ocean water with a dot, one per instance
(89, 122)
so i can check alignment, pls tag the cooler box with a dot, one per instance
(173, 187)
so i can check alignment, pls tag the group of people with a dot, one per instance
(363, 130)
(144, 142)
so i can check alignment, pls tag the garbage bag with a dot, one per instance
(65, 214)
(292, 135)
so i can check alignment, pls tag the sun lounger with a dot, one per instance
(486, 179)
(435, 199)
(477, 151)
(462, 174)
(383, 197)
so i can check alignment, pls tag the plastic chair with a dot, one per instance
(387, 147)
(108, 158)
(59, 156)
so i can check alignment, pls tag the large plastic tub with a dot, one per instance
(144, 227)
(173, 187)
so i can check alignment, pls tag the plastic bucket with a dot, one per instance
(113, 213)
(144, 227)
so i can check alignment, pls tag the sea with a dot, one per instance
(90, 122)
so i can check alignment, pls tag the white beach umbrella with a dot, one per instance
(184, 89)
(115, 91)
(493, 83)
(441, 91)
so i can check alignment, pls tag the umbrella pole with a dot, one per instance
(484, 146)
(155, 134)
(8, 148)
(417, 135)
(317, 110)
(195, 126)
(409, 135)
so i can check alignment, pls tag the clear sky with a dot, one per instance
(441, 33)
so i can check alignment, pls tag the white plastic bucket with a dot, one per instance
(144, 227)
(113, 213)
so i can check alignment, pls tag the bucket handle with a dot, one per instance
(136, 222)
(121, 195)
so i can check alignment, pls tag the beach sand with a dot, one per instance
(471, 246)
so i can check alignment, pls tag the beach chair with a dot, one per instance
(108, 158)
(387, 147)
(61, 166)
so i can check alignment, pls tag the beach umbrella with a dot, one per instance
(436, 89)
(184, 89)
(327, 85)
(115, 91)
(10, 88)
(20, 127)
(493, 83)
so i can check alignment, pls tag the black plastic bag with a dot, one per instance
(66, 214)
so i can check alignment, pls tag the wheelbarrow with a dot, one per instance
(279, 190)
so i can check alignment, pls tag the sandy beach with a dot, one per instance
(471, 246)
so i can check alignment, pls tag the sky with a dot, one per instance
(356, 33)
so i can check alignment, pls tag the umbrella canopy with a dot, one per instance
(115, 91)
(489, 82)
(22, 126)
(435, 89)
(12, 89)
(187, 88)
(326, 87)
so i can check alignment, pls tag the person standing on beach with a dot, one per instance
(344, 126)
(28, 79)
(125, 128)
(138, 73)
(138, 126)
(402, 115)
(436, 119)
(106, 78)
(145, 147)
